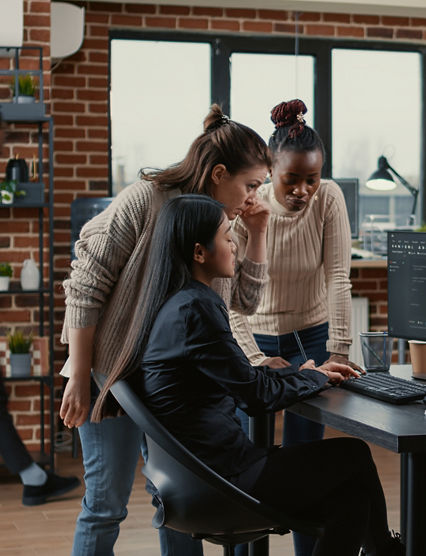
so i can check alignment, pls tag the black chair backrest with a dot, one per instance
(194, 498)
(84, 209)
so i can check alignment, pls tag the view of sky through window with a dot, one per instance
(160, 94)
(376, 109)
(261, 81)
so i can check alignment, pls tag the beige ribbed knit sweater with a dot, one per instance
(111, 257)
(309, 254)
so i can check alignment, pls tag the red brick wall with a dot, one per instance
(24, 405)
(79, 99)
(372, 283)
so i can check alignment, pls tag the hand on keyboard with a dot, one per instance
(337, 372)
(338, 358)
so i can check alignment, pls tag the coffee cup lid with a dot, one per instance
(416, 342)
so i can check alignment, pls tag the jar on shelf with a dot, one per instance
(30, 275)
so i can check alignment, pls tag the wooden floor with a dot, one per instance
(47, 530)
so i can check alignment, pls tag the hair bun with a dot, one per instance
(288, 114)
(215, 118)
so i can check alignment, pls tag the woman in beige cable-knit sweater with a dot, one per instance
(229, 162)
(308, 253)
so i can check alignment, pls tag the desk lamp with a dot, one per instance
(382, 180)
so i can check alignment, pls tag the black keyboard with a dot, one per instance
(386, 387)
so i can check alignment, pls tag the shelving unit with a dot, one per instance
(34, 114)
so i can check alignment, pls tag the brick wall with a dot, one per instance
(79, 97)
(372, 283)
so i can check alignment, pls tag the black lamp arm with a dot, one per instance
(404, 182)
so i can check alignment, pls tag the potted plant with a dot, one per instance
(5, 276)
(20, 356)
(27, 86)
(9, 192)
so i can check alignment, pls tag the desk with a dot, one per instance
(369, 263)
(399, 428)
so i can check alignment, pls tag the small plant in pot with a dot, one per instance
(5, 276)
(20, 354)
(27, 86)
(9, 192)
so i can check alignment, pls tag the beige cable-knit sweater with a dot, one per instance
(309, 255)
(111, 257)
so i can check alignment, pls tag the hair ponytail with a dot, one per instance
(215, 119)
(223, 141)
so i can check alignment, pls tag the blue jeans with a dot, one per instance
(296, 430)
(110, 454)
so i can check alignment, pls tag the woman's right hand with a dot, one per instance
(75, 404)
(336, 372)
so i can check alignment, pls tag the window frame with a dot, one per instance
(224, 45)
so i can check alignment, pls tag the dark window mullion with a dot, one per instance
(221, 75)
(323, 102)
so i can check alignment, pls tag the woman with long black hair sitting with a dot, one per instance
(193, 374)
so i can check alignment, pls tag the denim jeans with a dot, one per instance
(110, 454)
(296, 430)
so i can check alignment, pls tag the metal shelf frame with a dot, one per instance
(34, 113)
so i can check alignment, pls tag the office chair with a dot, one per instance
(194, 499)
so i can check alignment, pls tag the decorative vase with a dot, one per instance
(30, 275)
(17, 170)
(20, 364)
(4, 283)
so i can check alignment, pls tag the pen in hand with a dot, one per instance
(299, 343)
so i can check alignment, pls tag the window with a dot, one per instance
(261, 81)
(377, 111)
(160, 93)
(364, 98)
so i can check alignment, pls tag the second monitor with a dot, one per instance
(350, 188)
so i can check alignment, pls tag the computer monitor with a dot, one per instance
(350, 188)
(407, 285)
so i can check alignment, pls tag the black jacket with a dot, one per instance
(194, 374)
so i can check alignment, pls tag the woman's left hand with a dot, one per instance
(339, 358)
(256, 216)
(275, 362)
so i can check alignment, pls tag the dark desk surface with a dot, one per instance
(399, 428)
